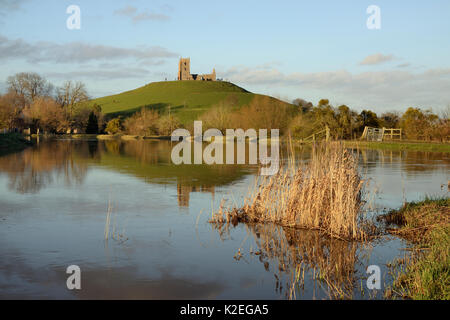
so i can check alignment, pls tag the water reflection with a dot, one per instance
(184, 191)
(300, 258)
(57, 192)
(410, 162)
(37, 167)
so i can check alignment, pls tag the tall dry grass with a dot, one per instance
(324, 194)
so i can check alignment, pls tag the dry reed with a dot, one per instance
(111, 229)
(323, 194)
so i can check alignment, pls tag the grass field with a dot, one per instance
(187, 99)
(400, 145)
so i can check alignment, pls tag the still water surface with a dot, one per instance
(54, 200)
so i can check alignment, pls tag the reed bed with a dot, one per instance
(324, 193)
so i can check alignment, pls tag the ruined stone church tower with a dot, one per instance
(184, 72)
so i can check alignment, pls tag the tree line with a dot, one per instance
(299, 119)
(345, 123)
(302, 118)
(33, 102)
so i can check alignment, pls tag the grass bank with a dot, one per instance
(425, 274)
(400, 145)
(12, 142)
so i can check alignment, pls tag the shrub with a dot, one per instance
(220, 117)
(167, 124)
(265, 112)
(114, 126)
(143, 123)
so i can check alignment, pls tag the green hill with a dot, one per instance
(187, 99)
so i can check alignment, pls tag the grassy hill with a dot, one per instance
(187, 99)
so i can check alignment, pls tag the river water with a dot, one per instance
(55, 198)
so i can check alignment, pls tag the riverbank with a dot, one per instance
(12, 142)
(391, 145)
(425, 273)
(129, 137)
(399, 145)
(84, 136)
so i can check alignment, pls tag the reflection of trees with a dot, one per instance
(409, 161)
(35, 168)
(302, 258)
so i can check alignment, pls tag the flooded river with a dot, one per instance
(55, 198)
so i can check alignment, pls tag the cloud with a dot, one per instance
(100, 74)
(403, 65)
(11, 5)
(76, 52)
(132, 13)
(376, 58)
(381, 90)
(128, 11)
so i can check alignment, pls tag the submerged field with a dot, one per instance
(64, 195)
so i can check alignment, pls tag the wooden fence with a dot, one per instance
(381, 134)
(319, 135)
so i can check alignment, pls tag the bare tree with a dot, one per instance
(46, 114)
(29, 86)
(70, 93)
(445, 113)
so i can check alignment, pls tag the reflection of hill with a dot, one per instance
(150, 160)
(37, 167)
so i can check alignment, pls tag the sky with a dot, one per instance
(287, 49)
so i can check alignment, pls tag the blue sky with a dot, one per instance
(289, 49)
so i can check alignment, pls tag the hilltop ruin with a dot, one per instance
(184, 72)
